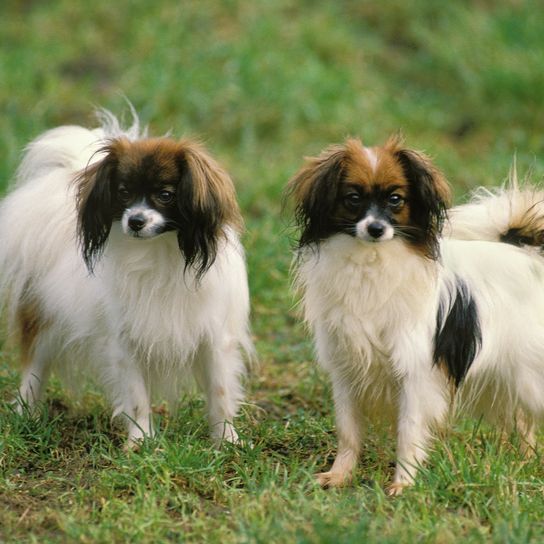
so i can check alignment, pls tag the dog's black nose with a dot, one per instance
(375, 229)
(136, 222)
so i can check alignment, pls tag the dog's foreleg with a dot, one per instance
(422, 403)
(219, 370)
(130, 398)
(349, 430)
(525, 427)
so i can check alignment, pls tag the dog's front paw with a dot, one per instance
(396, 488)
(225, 433)
(527, 450)
(132, 444)
(230, 435)
(333, 479)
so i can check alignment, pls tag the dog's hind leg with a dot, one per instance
(36, 352)
(36, 366)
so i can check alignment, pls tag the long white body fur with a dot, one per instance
(139, 325)
(373, 308)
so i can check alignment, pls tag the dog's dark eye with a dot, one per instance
(395, 200)
(124, 194)
(165, 197)
(352, 201)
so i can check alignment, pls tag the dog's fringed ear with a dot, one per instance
(206, 200)
(95, 194)
(430, 195)
(314, 189)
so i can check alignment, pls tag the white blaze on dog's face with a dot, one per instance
(378, 205)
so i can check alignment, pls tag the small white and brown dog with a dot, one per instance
(120, 257)
(402, 315)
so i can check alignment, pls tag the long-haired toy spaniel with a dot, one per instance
(120, 257)
(402, 317)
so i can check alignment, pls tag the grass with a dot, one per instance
(265, 83)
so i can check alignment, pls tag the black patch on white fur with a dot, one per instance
(458, 336)
(315, 213)
(523, 237)
(199, 225)
(97, 211)
(427, 205)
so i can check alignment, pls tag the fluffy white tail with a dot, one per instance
(513, 214)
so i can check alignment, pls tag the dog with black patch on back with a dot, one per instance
(407, 320)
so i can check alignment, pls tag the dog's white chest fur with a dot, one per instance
(367, 312)
(143, 279)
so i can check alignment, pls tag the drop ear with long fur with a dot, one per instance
(95, 196)
(206, 200)
(314, 189)
(430, 196)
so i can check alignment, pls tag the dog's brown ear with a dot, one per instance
(95, 197)
(207, 204)
(314, 190)
(430, 194)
